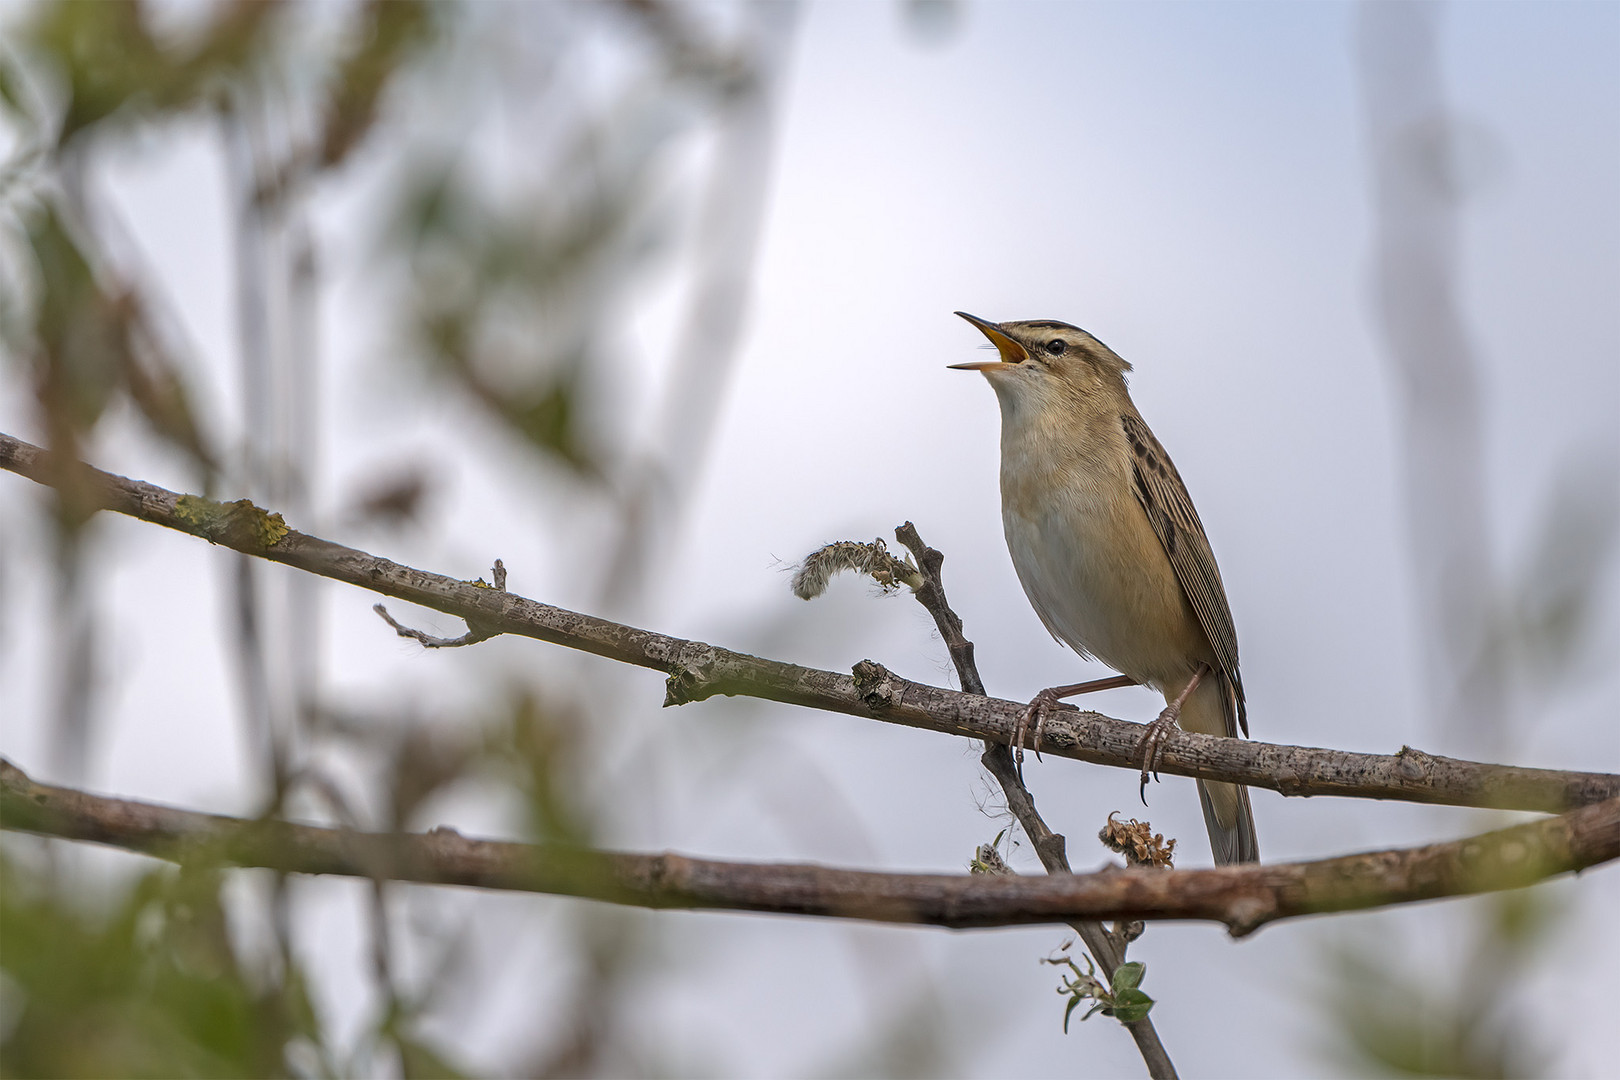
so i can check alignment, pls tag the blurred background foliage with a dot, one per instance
(507, 283)
(531, 180)
(1496, 637)
(149, 987)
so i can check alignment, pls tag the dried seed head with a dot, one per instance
(819, 567)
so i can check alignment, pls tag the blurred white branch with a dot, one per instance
(1419, 181)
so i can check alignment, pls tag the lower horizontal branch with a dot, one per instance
(697, 670)
(1243, 898)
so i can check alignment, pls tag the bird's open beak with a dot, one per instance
(1011, 352)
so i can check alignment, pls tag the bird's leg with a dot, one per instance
(1047, 700)
(1158, 733)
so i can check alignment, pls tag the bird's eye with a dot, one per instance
(1056, 346)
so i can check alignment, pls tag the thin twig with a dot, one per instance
(697, 670)
(475, 633)
(1107, 950)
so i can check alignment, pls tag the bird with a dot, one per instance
(1110, 551)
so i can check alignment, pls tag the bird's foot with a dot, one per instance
(1050, 700)
(1157, 735)
(1040, 705)
(1151, 747)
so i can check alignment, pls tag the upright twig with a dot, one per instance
(1107, 950)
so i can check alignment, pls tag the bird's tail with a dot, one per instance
(1212, 709)
(1230, 822)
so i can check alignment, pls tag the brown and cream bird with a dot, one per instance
(1109, 548)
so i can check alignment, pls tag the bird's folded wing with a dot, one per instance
(1170, 510)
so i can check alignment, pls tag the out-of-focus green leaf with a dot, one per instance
(78, 352)
(421, 1062)
(424, 762)
(80, 333)
(160, 393)
(11, 92)
(509, 293)
(1443, 1022)
(545, 742)
(393, 29)
(550, 423)
(151, 988)
(84, 347)
(109, 60)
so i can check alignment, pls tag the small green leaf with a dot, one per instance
(11, 91)
(1131, 1005)
(1068, 1012)
(1128, 976)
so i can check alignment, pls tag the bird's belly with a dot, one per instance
(1099, 579)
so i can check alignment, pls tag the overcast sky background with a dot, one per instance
(1189, 183)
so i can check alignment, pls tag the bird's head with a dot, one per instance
(1046, 364)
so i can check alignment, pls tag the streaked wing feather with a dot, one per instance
(1170, 510)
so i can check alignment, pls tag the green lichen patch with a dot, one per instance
(237, 524)
(197, 512)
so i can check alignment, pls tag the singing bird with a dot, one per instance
(1109, 548)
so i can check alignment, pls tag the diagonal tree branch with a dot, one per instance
(1243, 898)
(697, 670)
(997, 758)
(1107, 950)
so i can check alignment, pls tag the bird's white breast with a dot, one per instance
(1088, 558)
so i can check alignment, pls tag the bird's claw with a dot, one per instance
(1039, 706)
(1154, 740)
